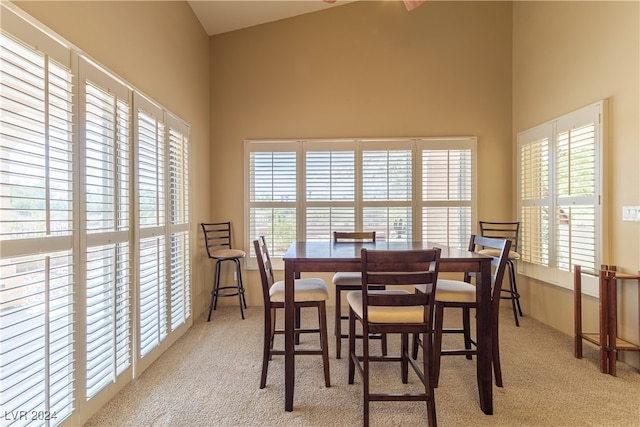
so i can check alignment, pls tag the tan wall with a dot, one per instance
(567, 55)
(366, 69)
(162, 50)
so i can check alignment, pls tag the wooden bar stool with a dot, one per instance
(217, 237)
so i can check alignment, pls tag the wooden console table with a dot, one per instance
(607, 338)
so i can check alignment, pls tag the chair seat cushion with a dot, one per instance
(348, 278)
(496, 253)
(306, 290)
(455, 291)
(227, 253)
(382, 314)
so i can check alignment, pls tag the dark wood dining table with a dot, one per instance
(327, 256)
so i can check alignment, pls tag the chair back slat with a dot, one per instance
(502, 230)
(354, 236)
(217, 235)
(498, 263)
(399, 268)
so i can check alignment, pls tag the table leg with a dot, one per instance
(612, 322)
(604, 327)
(577, 311)
(483, 335)
(289, 344)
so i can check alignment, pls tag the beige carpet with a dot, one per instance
(210, 377)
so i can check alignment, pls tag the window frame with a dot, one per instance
(414, 200)
(533, 253)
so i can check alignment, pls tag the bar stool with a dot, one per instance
(217, 237)
(511, 231)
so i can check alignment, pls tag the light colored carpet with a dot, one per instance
(210, 377)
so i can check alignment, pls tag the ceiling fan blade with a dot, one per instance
(412, 4)
(409, 4)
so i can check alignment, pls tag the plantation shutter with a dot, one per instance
(272, 194)
(535, 201)
(447, 191)
(560, 169)
(179, 255)
(576, 191)
(387, 189)
(107, 183)
(37, 202)
(329, 189)
(153, 292)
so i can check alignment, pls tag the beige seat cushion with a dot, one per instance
(496, 253)
(228, 253)
(310, 289)
(347, 278)
(381, 314)
(455, 291)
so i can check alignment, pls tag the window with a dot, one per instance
(94, 228)
(404, 189)
(560, 196)
(37, 319)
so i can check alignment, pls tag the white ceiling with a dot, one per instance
(221, 16)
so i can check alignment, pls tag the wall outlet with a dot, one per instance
(631, 213)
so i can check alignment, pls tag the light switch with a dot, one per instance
(631, 213)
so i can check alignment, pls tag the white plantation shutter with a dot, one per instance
(36, 200)
(77, 266)
(387, 189)
(359, 184)
(560, 196)
(179, 255)
(447, 191)
(272, 198)
(329, 190)
(107, 182)
(534, 179)
(164, 284)
(576, 180)
(151, 194)
(152, 294)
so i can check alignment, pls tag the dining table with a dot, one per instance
(328, 256)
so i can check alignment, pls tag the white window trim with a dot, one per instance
(551, 274)
(299, 146)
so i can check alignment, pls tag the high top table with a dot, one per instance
(327, 256)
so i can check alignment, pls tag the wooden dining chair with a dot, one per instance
(350, 281)
(395, 311)
(309, 292)
(462, 295)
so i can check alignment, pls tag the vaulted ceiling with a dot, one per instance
(219, 17)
